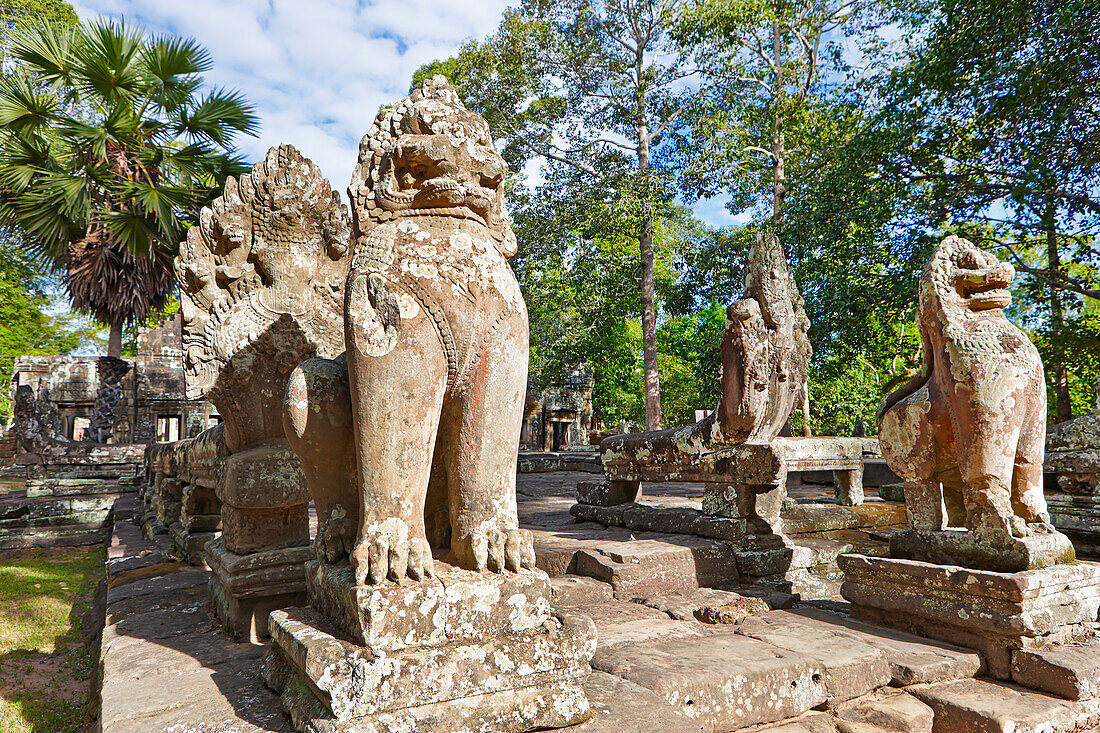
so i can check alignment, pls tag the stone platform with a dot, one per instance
(657, 668)
(462, 651)
(998, 614)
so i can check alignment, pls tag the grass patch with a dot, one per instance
(11, 484)
(44, 668)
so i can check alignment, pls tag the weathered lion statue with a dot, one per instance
(966, 434)
(423, 411)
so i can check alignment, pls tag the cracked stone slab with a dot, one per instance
(888, 710)
(913, 659)
(1070, 672)
(723, 680)
(618, 705)
(980, 706)
(852, 666)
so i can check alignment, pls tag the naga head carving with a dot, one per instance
(272, 246)
(429, 155)
(963, 278)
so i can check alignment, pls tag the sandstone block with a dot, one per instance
(520, 681)
(619, 705)
(723, 680)
(852, 666)
(991, 612)
(978, 706)
(886, 710)
(913, 659)
(608, 493)
(251, 530)
(263, 477)
(454, 605)
(1070, 672)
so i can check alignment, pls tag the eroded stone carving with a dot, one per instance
(409, 445)
(261, 281)
(735, 449)
(966, 434)
(434, 377)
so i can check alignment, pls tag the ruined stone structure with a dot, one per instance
(735, 450)
(560, 416)
(151, 405)
(981, 565)
(181, 490)
(261, 281)
(409, 446)
(1073, 497)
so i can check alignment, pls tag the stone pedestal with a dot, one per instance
(994, 613)
(960, 547)
(464, 651)
(257, 562)
(246, 588)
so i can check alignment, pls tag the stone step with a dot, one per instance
(723, 680)
(981, 706)
(853, 666)
(618, 706)
(1070, 672)
(913, 659)
(644, 567)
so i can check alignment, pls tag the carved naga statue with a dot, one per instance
(765, 355)
(261, 288)
(966, 434)
(409, 442)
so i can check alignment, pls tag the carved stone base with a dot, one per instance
(959, 547)
(452, 606)
(246, 588)
(189, 545)
(466, 651)
(993, 613)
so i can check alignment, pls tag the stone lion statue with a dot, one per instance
(423, 411)
(966, 434)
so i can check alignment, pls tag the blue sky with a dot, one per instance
(318, 70)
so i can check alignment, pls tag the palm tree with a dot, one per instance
(109, 148)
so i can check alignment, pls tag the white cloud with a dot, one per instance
(317, 71)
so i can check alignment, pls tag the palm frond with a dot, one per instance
(173, 64)
(23, 106)
(80, 135)
(217, 118)
(108, 65)
(128, 230)
(47, 50)
(22, 157)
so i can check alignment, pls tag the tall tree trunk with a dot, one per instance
(779, 177)
(114, 341)
(1064, 405)
(649, 307)
(779, 143)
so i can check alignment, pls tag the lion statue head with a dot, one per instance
(430, 156)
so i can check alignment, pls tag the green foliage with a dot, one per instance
(889, 125)
(25, 325)
(109, 147)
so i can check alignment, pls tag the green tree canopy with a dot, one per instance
(109, 147)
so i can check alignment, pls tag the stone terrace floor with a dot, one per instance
(167, 667)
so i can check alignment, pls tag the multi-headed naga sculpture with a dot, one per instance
(966, 434)
(261, 283)
(409, 443)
